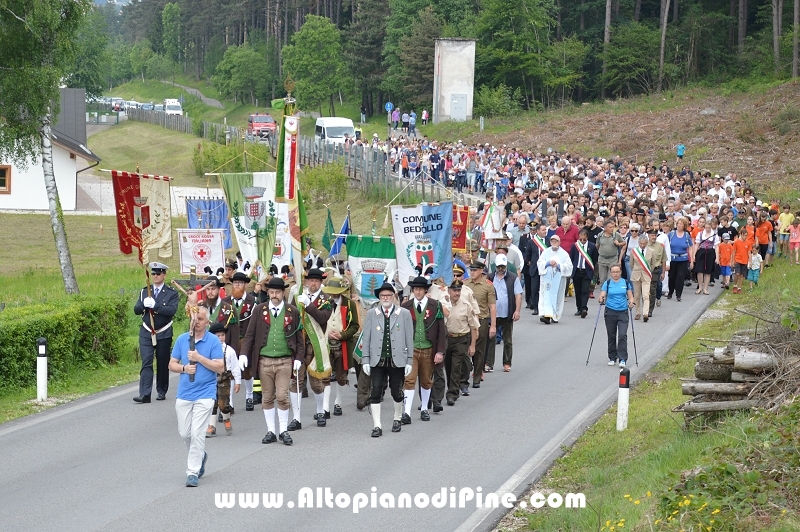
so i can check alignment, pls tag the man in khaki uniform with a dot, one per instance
(462, 334)
(658, 265)
(483, 292)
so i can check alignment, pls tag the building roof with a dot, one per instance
(73, 146)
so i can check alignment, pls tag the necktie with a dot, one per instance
(419, 308)
(155, 293)
(275, 312)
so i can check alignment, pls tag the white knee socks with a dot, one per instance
(409, 395)
(283, 419)
(426, 395)
(398, 411)
(248, 388)
(320, 398)
(339, 389)
(269, 416)
(326, 399)
(376, 414)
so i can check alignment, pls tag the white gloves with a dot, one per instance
(408, 369)
(242, 362)
(149, 302)
(296, 365)
(304, 299)
(366, 369)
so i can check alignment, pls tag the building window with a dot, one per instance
(5, 180)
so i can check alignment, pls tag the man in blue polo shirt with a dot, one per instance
(196, 395)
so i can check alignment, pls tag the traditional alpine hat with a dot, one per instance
(218, 281)
(335, 287)
(315, 273)
(419, 282)
(385, 287)
(240, 276)
(276, 283)
(217, 327)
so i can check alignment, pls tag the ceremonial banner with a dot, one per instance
(423, 236)
(201, 248)
(209, 213)
(371, 260)
(287, 190)
(144, 218)
(460, 227)
(492, 225)
(255, 215)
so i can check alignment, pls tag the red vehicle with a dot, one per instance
(261, 125)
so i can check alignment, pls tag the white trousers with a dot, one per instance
(192, 422)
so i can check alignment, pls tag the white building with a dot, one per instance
(23, 188)
(453, 80)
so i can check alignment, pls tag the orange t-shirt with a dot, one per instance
(694, 232)
(741, 251)
(725, 253)
(763, 231)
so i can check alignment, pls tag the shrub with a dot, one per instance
(498, 101)
(81, 332)
(325, 183)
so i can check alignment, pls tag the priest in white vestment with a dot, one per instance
(555, 270)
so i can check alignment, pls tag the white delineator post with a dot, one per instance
(623, 398)
(41, 370)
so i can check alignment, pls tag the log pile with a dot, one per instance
(744, 374)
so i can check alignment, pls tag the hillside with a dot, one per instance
(755, 134)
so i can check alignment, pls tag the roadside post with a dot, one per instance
(623, 399)
(41, 370)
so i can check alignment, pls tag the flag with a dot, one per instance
(460, 227)
(144, 214)
(256, 216)
(371, 260)
(327, 234)
(336, 248)
(201, 248)
(424, 236)
(286, 190)
(209, 213)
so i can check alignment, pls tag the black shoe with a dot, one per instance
(546, 320)
(578, 313)
(232, 411)
(249, 405)
(425, 416)
(269, 438)
(476, 385)
(584, 313)
(327, 415)
(542, 319)
(451, 402)
(286, 438)
(465, 392)
(405, 419)
(141, 399)
(295, 425)
(320, 420)
(396, 426)
(305, 394)
(678, 299)
(377, 432)
(437, 408)
(535, 312)
(219, 417)
(337, 410)
(161, 397)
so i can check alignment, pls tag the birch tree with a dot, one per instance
(36, 54)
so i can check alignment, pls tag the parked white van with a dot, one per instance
(332, 129)
(172, 107)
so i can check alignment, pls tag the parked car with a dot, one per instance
(158, 107)
(131, 104)
(147, 107)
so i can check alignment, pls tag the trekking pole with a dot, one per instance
(596, 320)
(633, 332)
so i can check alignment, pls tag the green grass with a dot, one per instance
(154, 149)
(625, 474)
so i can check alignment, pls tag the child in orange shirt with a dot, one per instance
(741, 256)
(725, 257)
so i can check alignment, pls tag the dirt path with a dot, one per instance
(194, 92)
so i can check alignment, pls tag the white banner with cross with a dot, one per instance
(201, 248)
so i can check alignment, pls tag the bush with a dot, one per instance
(81, 332)
(217, 158)
(325, 183)
(498, 101)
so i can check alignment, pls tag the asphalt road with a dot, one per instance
(105, 463)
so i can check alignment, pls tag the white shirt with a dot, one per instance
(273, 308)
(423, 302)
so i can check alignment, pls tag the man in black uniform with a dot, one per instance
(156, 306)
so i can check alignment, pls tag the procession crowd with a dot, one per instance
(553, 227)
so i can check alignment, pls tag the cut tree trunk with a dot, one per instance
(742, 26)
(606, 41)
(738, 376)
(776, 35)
(720, 406)
(746, 360)
(722, 355)
(665, 16)
(795, 31)
(709, 371)
(731, 388)
(56, 214)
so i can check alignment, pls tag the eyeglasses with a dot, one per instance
(385, 296)
(458, 275)
(634, 230)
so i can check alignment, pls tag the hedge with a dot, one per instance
(81, 332)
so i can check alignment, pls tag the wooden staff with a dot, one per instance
(152, 320)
